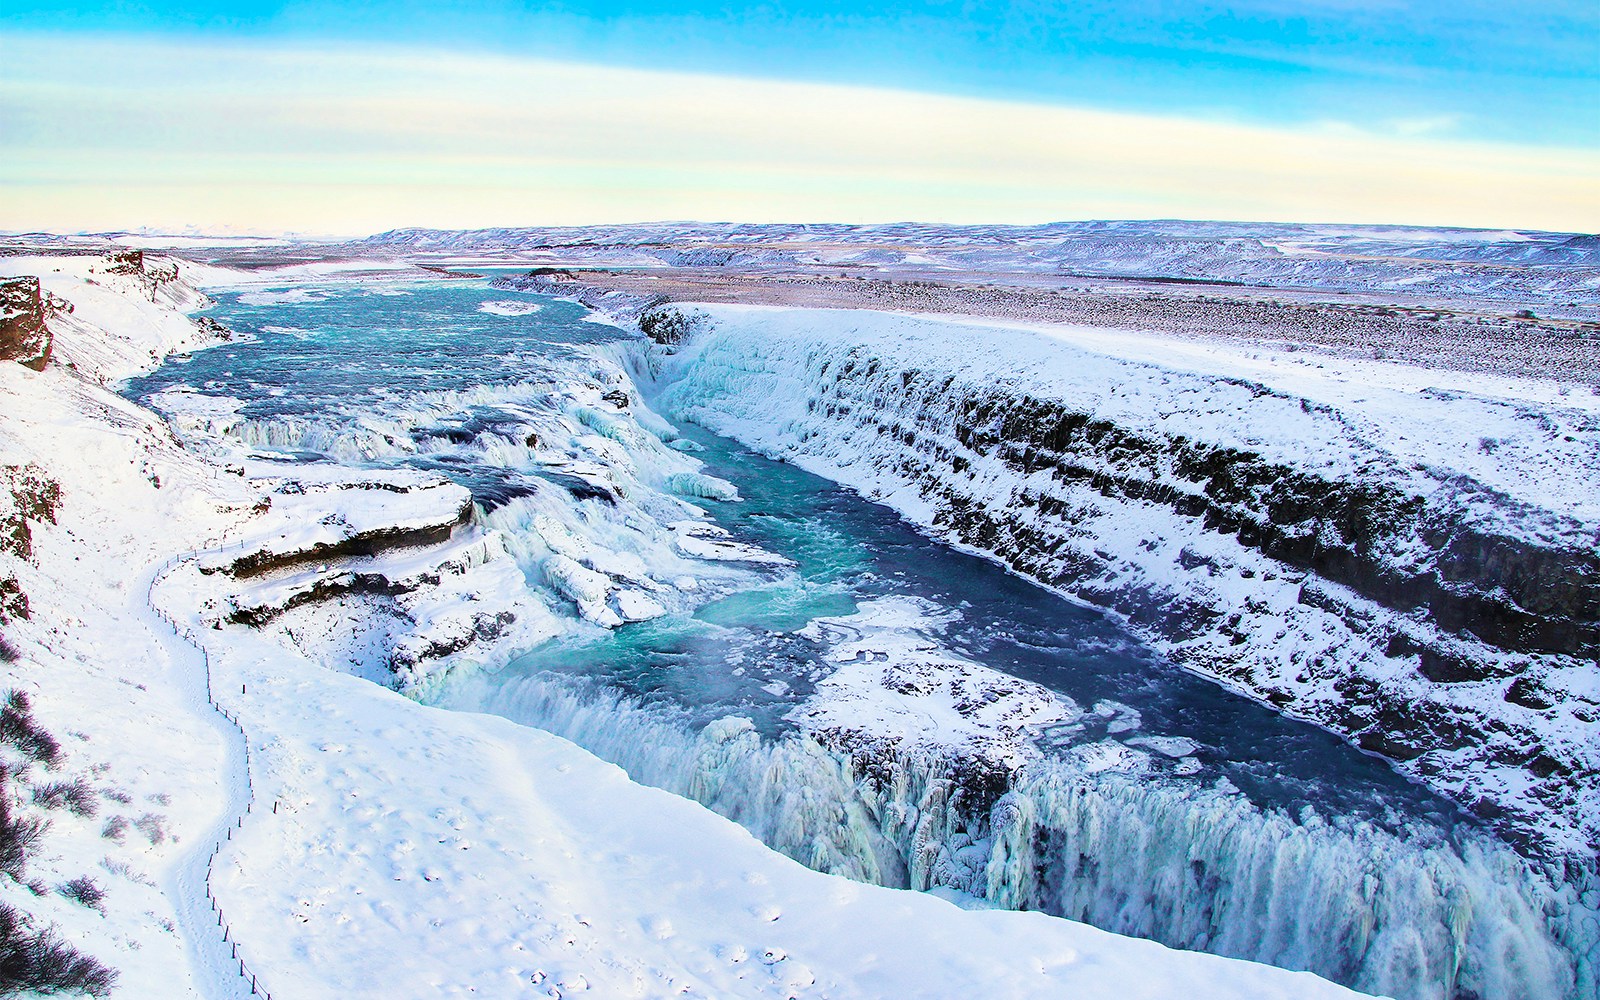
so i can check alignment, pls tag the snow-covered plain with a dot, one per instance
(389, 849)
(1559, 269)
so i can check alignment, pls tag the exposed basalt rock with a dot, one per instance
(325, 589)
(29, 495)
(24, 308)
(13, 602)
(1506, 591)
(665, 325)
(485, 629)
(134, 264)
(975, 783)
(213, 327)
(366, 543)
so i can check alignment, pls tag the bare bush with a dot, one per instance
(18, 728)
(152, 826)
(39, 962)
(115, 829)
(76, 796)
(18, 834)
(85, 891)
(125, 870)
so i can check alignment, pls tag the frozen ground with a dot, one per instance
(386, 848)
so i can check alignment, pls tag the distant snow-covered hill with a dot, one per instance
(1557, 268)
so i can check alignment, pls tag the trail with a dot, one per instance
(219, 970)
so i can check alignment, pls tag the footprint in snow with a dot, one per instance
(659, 928)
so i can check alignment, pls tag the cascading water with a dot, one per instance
(1407, 913)
(1255, 837)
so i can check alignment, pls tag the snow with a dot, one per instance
(469, 852)
(388, 847)
(708, 541)
(895, 683)
(510, 307)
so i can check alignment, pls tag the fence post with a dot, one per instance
(249, 806)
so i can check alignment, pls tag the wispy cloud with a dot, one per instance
(110, 133)
(1426, 125)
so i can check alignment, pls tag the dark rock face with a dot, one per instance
(24, 337)
(1431, 619)
(13, 602)
(485, 628)
(367, 543)
(1506, 591)
(134, 264)
(30, 496)
(323, 590)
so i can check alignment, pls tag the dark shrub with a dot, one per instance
(86, 891)
(18, 834)
(38, 962)
(76, 795)
(18, 729)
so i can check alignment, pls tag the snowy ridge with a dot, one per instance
(1561, 268)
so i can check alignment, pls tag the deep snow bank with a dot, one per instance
(1403, 555)
(392, 848)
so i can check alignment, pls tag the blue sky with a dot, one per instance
(1518, 72)
(295, 115)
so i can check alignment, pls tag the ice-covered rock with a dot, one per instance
(584, 587)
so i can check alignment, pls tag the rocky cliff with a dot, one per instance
(24, 307)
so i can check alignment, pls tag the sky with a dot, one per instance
(350, 118)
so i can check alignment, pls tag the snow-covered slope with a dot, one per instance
(367, 846)
(1404, 555)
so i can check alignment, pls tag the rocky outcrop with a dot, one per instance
(149, 274)
(1385, 594)
(345, 519)
(1455, 605)
(24, 337)
(1406, 551)
(361, 543)
(626, 307)
(264, 608)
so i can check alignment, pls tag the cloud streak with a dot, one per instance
(120, 133)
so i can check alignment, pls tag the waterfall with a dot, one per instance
(1413, 913)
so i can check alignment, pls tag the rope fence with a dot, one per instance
(183, 633)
